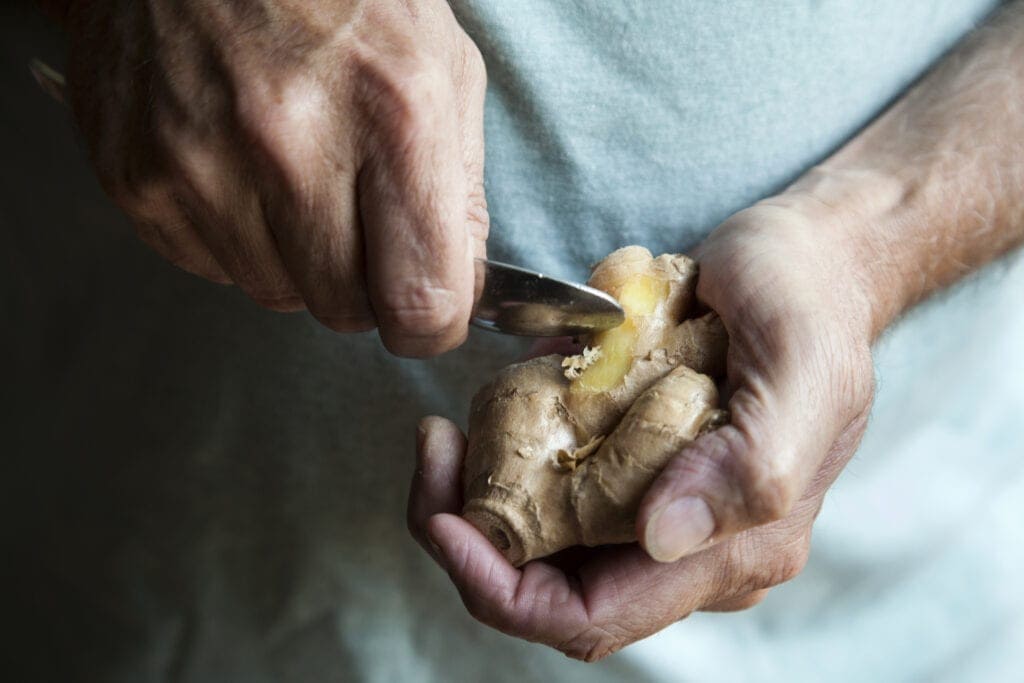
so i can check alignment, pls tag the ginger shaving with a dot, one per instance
(568, 461)
(575, 365)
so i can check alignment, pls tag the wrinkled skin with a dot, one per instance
(801, 380)
(326, 155)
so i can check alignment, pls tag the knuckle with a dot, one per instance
(286, 120)
(168, 129)
(785, 565)
(592, 644)
(765, 473)
(406, 95)
(790, 566)
(767, 565)
(201, 168)
(755, 484)
(768, 492)
(421, 308)
(481, 610)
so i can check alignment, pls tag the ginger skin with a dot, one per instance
(599, 439)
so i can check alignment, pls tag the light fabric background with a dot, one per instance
(198, 490)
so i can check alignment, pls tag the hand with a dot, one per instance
(318, 155)
(730, 516)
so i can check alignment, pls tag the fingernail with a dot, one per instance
(677, 528)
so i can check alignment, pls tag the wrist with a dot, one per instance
(861, 212)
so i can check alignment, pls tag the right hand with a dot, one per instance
(326, 156)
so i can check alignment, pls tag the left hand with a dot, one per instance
(731, 515)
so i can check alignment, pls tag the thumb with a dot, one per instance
(753, 470)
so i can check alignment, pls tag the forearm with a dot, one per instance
(934, 188)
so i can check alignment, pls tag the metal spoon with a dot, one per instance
(522, 302)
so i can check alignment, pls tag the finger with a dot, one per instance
(179, 243)
(471, 94)
(784, 417)
(160, 223)
(436, 482)
(221, 201)
(739, 603)
(414, 202)
(321, 243)
(619, 597)
(131, 167)
(630, 596)
(537, 603)
(309, 201)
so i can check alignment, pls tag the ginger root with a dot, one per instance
(561, 450)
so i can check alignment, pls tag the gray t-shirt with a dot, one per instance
(203, 491)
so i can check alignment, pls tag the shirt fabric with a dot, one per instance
(199, 490)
